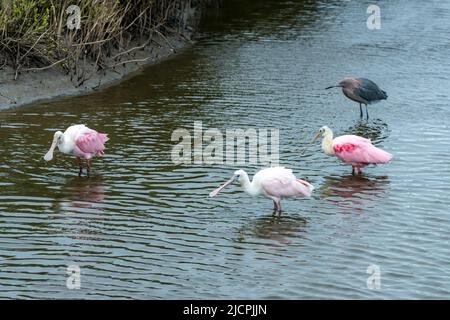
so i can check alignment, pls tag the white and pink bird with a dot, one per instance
(353, 150)
(81, 142)
(275, 183)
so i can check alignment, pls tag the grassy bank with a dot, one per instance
(34, 34)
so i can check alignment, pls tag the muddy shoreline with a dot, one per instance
(43, 85)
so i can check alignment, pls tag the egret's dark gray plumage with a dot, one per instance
(361, 90)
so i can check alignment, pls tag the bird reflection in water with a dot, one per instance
(353, 194)
(278, 229)
(84, 194)
(81, 202)
(376, 130)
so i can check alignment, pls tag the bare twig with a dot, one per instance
(129, 61)
(46, 67)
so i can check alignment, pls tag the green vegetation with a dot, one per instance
(34, 33)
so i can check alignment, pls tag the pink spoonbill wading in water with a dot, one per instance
(274, 183)
(81, 142)
(353, 150)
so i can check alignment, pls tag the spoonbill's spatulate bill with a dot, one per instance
(81, 142)
(274, 183)
(361, 90)
(353, 150)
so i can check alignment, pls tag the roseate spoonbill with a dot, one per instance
(361, 90)
(81, 142)
(353, 150)
(274, 183)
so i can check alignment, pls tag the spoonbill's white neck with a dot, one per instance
(247, 185)
(64, 144)
(327, 142)
(56, 142)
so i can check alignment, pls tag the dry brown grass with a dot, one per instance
(34, 35)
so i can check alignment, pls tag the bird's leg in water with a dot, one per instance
(353, 170)
(275, 207)
(80, 165)
(360, 110)
(88, 167)
(279, 207)
(367, 113)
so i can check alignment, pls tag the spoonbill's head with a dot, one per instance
(238, 175)
(323, 132)
(57, 139)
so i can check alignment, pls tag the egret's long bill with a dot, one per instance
(214, 193)
(49, 155)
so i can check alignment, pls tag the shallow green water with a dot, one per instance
(143, 227)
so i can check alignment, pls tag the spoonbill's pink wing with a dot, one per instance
(279, 173)
(282, 183)
(355, 149)
(92, 142)
(293, 189)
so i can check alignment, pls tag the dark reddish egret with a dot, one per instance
(361, 90)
